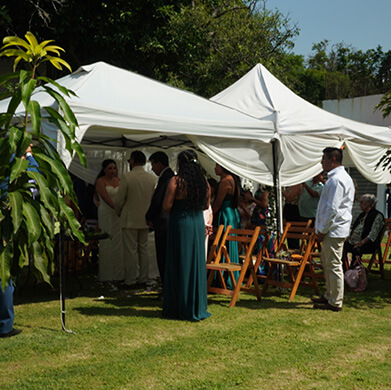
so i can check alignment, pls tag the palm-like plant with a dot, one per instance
(27, 224)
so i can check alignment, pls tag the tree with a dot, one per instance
(207, 46)
(27, 223)
(200, 45)
(347, 72)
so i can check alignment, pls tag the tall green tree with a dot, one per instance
(201, 45)
(27, 222)
(346, 72)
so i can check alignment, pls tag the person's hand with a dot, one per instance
(208, 230)
(320, 236)
(28, 150)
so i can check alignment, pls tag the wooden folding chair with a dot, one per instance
(377, 258)
(257, 259)
(246, 239)
(213, 251)
(385, 259)
(295, 263)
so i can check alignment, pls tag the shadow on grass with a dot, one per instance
(137, 304)
(146, 304)
(377, 296)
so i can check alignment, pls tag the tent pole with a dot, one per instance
(277, 188)
(62, 277)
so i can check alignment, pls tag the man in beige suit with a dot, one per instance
(132, 202)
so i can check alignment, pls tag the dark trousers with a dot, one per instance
(369, 247)
(7, 308)
(161, 248)
(291, 214)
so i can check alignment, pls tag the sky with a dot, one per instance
(363, 24)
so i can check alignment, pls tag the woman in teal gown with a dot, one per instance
(225, 210)
(185, 289)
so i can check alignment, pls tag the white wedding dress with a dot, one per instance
(111, 265)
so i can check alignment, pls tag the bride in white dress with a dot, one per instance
(111, 265)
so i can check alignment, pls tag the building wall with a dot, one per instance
(361, 109)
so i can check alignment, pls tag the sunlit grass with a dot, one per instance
(122, 342)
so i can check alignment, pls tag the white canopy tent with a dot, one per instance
(118, 109)
(304, 130)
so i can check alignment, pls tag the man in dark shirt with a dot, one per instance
(156, 217)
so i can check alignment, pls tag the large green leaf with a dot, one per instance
(15, 41)
(47, 221)
(23, 254)
(16, 206)
(68, 113)
(58, 169)
(26, 142)
(33, 222)
(27, 90)
(12, 106)
(32, 40)
(57, 119)
(40, 261)
(34, 110)
(45, 192)
(15, 135)
(18, 166)
(57, 62)
(6, 257)
(61, 88)
(79, 150)
(8, 76)
(71, 219)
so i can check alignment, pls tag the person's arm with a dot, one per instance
(170, 194)
(224, 186)
(121, 196)
(331, 209)
(376, 227)
(292, 193)
(101, 190)
(313, 193)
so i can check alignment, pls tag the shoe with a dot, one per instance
(11, 333)
(326, 306)
(321, 299)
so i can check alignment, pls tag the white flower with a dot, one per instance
(247, 186)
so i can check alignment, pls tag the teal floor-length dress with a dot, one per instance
(185, 290)
(228, 215)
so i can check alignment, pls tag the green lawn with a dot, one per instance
(121, 342)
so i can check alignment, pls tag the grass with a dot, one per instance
(121, 342)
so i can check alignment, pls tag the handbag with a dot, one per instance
(356, 278)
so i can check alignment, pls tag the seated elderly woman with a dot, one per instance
(365, 229)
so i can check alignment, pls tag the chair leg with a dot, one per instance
(256, 284)
(297, 282)
(269, 274)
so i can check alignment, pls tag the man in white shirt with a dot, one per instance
(332, 225)
(131, 203)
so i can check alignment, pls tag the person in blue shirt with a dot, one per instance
(7, 314)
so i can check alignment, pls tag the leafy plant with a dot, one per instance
(27, 222)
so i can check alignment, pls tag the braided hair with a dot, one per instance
(191, 180)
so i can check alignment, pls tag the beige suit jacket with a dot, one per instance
(134, 197)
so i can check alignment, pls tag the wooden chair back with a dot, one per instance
(294, 264)
(377, 257)
(246, 239)
(214, 252)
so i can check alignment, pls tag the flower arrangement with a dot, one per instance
(247, 186)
